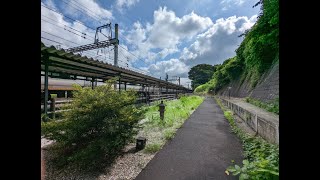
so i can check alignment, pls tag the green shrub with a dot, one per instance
(100, 123)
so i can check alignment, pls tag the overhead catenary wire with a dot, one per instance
(93, 13)
(81, 35)
(80, 10)
(88, 54)
(66, 26)
(59, 37)
(67, 17)
(94, 56)
(91, 53)
(51, 40)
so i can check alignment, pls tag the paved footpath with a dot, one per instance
(201, 150)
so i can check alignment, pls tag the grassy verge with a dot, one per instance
(271, 107)
(261, 158)
(157, 131)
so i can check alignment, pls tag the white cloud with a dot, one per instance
(235, 2)
(166, 51)
(229, 3)
(166, 33)
(218, 43)
(213, 43)
(168, 29)
(50, 3)
(120, 4)
(173, 67)
(88, 10)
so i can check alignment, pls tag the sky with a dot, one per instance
(156, 36)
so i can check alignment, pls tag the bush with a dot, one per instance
(100, 123)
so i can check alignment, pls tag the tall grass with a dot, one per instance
(158, 131)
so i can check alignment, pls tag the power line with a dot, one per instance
(67, 17)
(101, 18)
(51, 40)
(138, 60)
(128, 51)
(65, 29)
(59, 37)
(88, 54)
(71, 5)
(66, 25)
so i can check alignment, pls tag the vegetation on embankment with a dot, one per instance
(261, 158)
(256, 54)
(158, 131)
(272, 106)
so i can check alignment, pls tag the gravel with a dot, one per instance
(127, 166)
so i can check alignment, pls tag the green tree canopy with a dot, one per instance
(200, 74)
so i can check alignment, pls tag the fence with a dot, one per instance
(57, 106)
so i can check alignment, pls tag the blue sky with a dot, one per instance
(156, 36)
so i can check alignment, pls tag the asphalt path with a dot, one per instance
(201, 149)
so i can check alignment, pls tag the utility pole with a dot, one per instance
(116, 52)
(179, 81)
(116, 45)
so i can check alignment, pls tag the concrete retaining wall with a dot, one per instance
(266, 90)
(267, 129)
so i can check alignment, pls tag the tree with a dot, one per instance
(200, 74)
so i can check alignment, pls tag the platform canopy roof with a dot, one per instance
(63, 64)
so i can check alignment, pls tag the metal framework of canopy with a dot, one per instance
(66, 65)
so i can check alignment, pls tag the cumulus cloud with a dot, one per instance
(166, 32)
(219, 42)
(168, 29)
(120, 4)
(87, 10)
(213, 43)
(173, 67)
